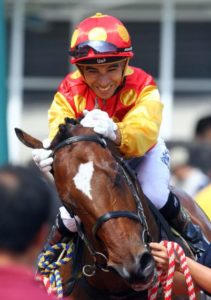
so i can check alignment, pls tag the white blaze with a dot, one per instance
(83, 178)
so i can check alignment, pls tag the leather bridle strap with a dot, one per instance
(113, 215)
(83, 138)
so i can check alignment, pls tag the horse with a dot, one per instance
(95, 183)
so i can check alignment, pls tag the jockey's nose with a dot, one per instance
(103, 80)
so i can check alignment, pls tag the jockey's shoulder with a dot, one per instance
(138, 76)
(72, 79)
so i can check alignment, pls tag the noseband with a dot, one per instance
(139, 216)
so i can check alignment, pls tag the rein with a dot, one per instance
(49, 273)
(89, 270)
(166, 280)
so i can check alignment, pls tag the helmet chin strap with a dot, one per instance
(79, 69)
(125, 68)
(123, 76)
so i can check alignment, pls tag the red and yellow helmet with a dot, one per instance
(100, 38)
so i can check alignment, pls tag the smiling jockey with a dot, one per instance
(123, 104)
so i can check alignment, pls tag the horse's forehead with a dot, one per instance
(69, 130)
(83, 178)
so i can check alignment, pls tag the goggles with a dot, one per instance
(99, 47)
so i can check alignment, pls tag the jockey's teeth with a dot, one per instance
(104, 89)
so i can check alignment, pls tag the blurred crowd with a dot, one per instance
(190, 168)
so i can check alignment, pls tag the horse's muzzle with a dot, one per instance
(139, 275)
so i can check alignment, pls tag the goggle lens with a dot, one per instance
(99, 47)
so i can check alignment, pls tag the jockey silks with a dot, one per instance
(136, 108)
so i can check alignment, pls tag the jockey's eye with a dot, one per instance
(112, 69)
(91, 70)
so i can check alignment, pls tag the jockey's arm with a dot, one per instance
(58, 111)
(139, 129)
(118, 139)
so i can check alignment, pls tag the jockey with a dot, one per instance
(122, 103)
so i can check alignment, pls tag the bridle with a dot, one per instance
(139, 216)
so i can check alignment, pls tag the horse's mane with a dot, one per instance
(65, 131)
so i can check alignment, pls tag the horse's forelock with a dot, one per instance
(65, 131)
(71, 121)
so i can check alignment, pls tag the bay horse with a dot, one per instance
(94, 182)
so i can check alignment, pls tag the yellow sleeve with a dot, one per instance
(140, 126)
(58, 111)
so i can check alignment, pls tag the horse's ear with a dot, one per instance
(27, 139)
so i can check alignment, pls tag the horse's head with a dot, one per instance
(93, 185)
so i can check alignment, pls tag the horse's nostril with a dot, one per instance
(146, 261)
(144, 269)
(140, 271)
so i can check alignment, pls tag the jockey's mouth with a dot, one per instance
(105, 92)
(104, 89)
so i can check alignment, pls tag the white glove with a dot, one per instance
(94, 115)
(100, 122)
(41, 157)
(68, 222)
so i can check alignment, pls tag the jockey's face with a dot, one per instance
(103, 79)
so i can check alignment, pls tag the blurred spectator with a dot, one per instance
(203, 136)
(184, 175)
(24, 224)
(203, 130)
(203, 198)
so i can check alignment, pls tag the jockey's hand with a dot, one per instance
(42, 157)
(67, 220)
(100, 122)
